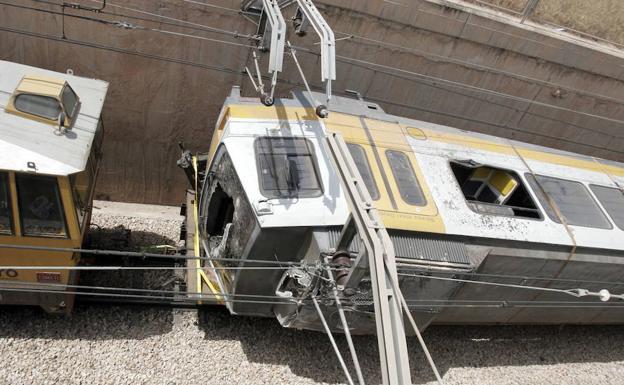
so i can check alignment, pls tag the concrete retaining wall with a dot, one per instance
(166, 88)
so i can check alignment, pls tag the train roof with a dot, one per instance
(362, 108)
(25, 142)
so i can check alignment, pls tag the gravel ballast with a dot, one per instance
(105, 344)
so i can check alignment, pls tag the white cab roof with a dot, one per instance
(23, 140)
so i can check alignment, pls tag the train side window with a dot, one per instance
(573, 200)
(6, 220)
(82, 186)
(612, 199)
(40, 207)
(361, 162)
(490, 190)
(287, 168)
(405, 178)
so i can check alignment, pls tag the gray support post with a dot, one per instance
(378, 249)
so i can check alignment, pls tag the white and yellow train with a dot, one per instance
(457, 205)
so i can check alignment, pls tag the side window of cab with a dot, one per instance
(6, 218)
(40, 206)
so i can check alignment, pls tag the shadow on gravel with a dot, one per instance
(310, 355)
(88, 322)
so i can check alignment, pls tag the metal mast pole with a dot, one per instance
(378, 255)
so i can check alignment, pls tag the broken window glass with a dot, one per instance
(491, 190)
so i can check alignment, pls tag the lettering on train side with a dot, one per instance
(8, 273)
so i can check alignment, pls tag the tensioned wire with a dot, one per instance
(370, 65)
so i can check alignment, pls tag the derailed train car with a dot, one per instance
(460, 208)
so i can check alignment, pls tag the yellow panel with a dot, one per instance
(273, 112)
(41, 85)
(386, 135)
(503, 182)
(481, 173)
(416, 133)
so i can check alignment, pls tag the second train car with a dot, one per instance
(458, 206)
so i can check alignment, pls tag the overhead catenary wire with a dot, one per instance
(18, 284)
(227, 69)
(604, 294)
(144, 255)
(162, 19)
(481, 67)
(406, 269)
(371, 66)
(423, 53)
(140, 296)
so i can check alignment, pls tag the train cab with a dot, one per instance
(50, 151)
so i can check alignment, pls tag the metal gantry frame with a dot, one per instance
(312, 15)
(378, 257)
(272, 32)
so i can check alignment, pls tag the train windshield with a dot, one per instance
(287, 168)
(5, 206)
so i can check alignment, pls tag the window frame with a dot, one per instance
(62, 101)
(377, 195)
(91, 172)
(15, 99)
(413, 173)
(269, 194)
(7, 185)
(599, 201)
(521, 178)
(550, 209)
(59, 196)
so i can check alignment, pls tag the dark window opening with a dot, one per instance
(220, 212)
(490, 190)
(361, 162)
(40, 207)
(573, 200)
(405, 178)
(6, 218)
(287, 168)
